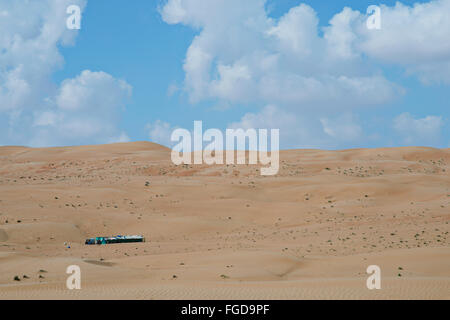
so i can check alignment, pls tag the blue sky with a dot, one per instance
(142, 46)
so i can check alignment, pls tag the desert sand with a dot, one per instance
(224, 232)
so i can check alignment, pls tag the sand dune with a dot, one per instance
(225, 232)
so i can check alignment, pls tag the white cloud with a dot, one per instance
(343, 128)
(296, 32)
(87, 108)
(46, 118)
(340, 36)
(270, 117)
(415, 37)
(31, 33)
(34, 110)
(413, 131)
(160, 132)
(303, 131)
(123, 137)
(241, 55)
(172, 89)
(93, 89)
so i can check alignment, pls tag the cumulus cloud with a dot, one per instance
(87, 107)
(242, 55)
(303, 131)
(425, 131)
(82, 92)
(344, 128)
(31, 34)
(269, 117)
(415, 37)
(33, 109)
(309, 75)
(160, 132)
